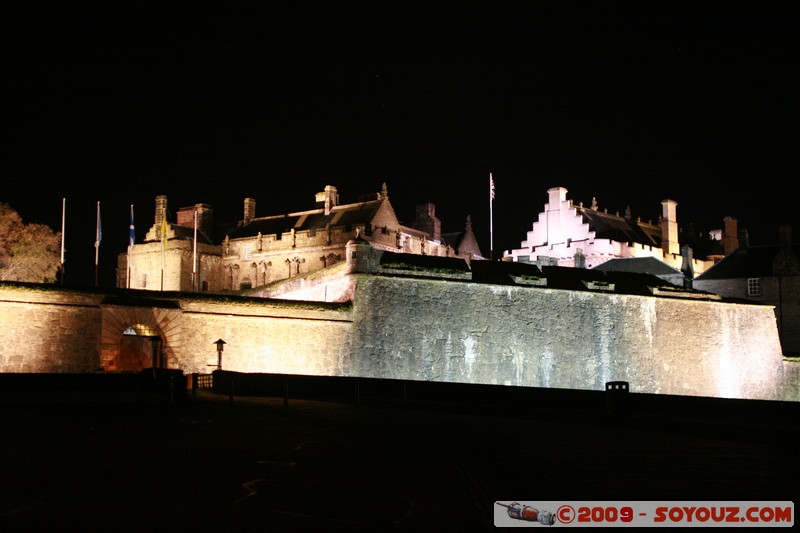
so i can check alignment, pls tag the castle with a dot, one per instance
(404, 316)
(368, 297)
(259, 251)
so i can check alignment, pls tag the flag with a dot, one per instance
(132, 237)
(491, 187)
(99, 233)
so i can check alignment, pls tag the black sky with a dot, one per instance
(214, 102)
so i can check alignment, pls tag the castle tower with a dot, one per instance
(361, 257)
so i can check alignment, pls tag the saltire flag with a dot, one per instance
(491, 186)
(132, 237)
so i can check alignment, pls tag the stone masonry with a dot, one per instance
(417, 328)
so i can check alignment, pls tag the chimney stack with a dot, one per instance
(329, 198)
(427, 221)
(730, 235)
(785, 262)
(205, 218)
(249, 209)
(669, 228)
(161, 210)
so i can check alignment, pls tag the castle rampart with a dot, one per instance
(480, 333)
(416, 328)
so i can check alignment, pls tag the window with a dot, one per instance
(248, 252)
(754, 287)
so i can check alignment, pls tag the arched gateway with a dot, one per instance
(133, 338)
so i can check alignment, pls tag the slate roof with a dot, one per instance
(640, 283)
(502, 272)
(620, 229)
(570, 278)
(453, 239)
(188, 234)
(458, 241)
(746, 262)
(576, 279)
(347, 215)
(644, 265)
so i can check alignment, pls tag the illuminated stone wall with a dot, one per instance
(472, 333)
(49, 331)
(55, 331)
(423, 329)
(782, 292)
(278, 337)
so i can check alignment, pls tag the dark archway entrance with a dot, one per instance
(140, 348)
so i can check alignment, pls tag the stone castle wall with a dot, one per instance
(282, 338)
(473, 333)
(55, 331)
(782, 292)
(422, 329)
(47, 331)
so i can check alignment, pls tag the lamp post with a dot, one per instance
(220, 346)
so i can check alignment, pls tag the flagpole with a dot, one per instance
(194, 256)
(63, 229)
(491, 216)
(163, 244)
(98, 236)
(131, 241)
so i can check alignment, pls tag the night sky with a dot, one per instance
(213, 102)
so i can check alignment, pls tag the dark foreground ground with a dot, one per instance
(102, 461)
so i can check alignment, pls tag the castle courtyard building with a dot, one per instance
(572, 235)
(259, 251)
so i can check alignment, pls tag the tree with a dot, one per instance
(28, 252)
